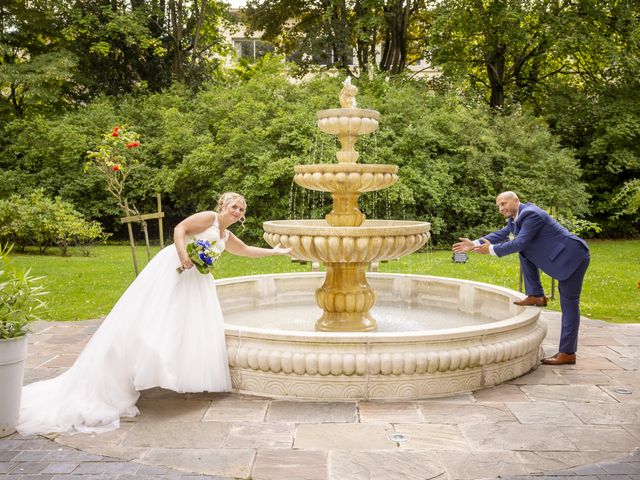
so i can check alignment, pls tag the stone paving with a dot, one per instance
(574, 421)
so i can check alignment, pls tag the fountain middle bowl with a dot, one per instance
(316, 240)
(345, 177)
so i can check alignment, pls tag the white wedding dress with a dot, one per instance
(165, 331)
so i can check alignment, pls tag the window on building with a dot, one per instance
(328, 58)
(251, 48)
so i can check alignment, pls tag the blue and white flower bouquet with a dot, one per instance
(202, 254)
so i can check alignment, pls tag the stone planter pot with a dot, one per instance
(13, 352)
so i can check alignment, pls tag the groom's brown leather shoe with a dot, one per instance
(532, 301)
(560, 359)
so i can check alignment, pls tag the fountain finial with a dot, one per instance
(348, 94)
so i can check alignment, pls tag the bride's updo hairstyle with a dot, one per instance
(227, 199)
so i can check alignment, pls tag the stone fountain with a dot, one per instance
(347, 243)
(400, 337)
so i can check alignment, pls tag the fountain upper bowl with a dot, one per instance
(348, 121)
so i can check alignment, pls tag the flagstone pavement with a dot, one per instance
(574, 421)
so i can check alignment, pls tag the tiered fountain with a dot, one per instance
(438, 336)
(347, 243)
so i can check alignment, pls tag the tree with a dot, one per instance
(398, 15)
(504, 48)
(34, 65)
(329, 31)
(194, 30)
(596, 109)
(118, 50)
(57, 52)
(247, 133)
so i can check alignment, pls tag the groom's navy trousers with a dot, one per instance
(544, 244)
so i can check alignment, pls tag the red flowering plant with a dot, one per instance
(115, 158)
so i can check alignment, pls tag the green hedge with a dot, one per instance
(247, 134)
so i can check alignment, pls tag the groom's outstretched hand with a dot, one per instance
(484, 249)
(464, 245)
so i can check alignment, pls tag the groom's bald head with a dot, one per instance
(508, 203)
(508, 195)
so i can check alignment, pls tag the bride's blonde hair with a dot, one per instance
(227, 199)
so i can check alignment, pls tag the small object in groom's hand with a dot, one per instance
(202, 254)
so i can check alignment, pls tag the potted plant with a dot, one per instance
(20, 300)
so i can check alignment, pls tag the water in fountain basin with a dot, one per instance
(390, 318)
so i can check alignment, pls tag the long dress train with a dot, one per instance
(166, 330)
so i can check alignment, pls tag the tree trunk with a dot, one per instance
(343, 29)
(394, 52)
(362, 47)
(196, 36)
(495, 63)
(15, 102)
(176, 28)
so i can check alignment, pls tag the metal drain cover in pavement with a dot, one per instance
(623, 391)
(399, 437)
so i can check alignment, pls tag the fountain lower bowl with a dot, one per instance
(373, 240)
(500, 342)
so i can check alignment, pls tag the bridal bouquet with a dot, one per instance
(202, 254)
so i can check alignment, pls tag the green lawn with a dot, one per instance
(87, 287)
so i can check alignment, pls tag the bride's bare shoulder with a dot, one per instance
(200, 220)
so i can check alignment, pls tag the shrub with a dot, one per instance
(37, 220)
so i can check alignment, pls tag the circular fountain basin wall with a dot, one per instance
(437, 336)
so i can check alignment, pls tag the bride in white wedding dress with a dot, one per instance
(165, 331)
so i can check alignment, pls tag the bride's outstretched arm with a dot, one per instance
(198, 222)
(238, 247)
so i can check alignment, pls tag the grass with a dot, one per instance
(87, 287)
(611, 289)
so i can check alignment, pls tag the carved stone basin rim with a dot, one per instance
(345, 168)
(369, 228)
(373, 240)
(348, 112)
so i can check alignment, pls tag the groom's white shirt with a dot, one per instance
(478, 242)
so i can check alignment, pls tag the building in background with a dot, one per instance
(251, 47)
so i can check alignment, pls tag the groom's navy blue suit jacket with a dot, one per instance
(542, 240)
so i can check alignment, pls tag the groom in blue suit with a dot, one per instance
(543, 244)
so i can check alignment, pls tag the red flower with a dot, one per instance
(116, 168)
(115, 133)
(133, 144)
